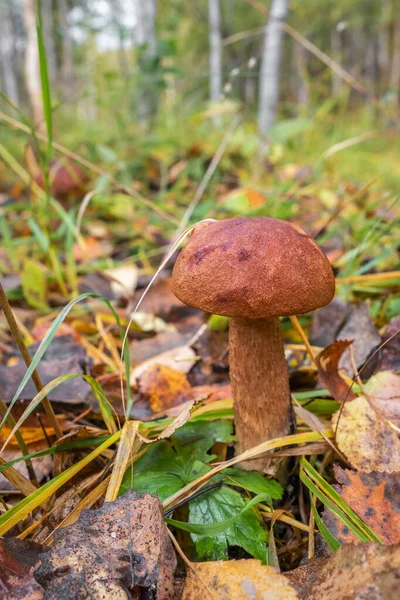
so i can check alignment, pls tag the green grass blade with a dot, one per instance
(331, 493)
(330, 539)
(44, 78)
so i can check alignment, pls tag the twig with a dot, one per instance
(21, 443)
(300, 331)
(19, 340)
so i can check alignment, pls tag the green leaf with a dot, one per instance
(34, 285)
(194, 439)
(164, 469)
(254, 482)
(246, 529)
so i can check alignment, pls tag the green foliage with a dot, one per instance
(247, 532)
(219, 518)
(34, 285)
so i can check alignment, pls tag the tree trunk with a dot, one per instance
(7, 67)
(394, 79)
(270, 65)
(214, 24)
(48, 34)
(145, 35)
(67, 49)
(32, 68)
(336, 52)
(303, 91)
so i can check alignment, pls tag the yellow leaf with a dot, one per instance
(236, 579)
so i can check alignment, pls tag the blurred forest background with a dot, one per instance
(160, 96)
(124, 69)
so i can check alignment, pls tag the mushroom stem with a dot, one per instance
(260, 385)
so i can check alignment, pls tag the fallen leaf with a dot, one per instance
(236, 579)
(363, 572)
(34, 285)
(387, 357)
(141, 350)
(90, 249)
(375, 497)
(160, 300)
(328, 364)
(40, 330)
(365, 439)
(111, 552)
(163, 387)
(148, 322)
(360, 328)
(383, 391)
(180, 359)
(17, 559)
(73, 391)
(123, 280)
(327, 322)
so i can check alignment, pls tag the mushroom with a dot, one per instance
(255, 270)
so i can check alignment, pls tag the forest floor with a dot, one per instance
(75, 262)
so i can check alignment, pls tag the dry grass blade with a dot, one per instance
(289, 440)
(25, 486)
(128, 445)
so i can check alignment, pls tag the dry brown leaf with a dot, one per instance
(328, 370)
(180, 359)
(360, 328)
(365, 439)
(364, 572)
(375, 497)
(17, 559)
(111, 552)
(91, 249)
(163, 387)
(383, 391)
(236, 580)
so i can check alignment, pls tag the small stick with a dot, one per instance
(300, 331)
(19, 340)
(21, 443)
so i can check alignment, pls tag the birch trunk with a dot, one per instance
(394, 78)
(67, 60)
(214, 23)
(7, 68)
(270, 65)
(32, 68)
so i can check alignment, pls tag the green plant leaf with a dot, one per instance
(34, 285)
(254, 482)
(241, 524)
(165, 469)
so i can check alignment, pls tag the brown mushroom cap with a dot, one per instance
(253, 267)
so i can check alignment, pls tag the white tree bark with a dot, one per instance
(214, 24)
(32, 68)
(145, 31)
(270, 65)
(67, 59)
(394, 78)
(48, 34)
(336, 52)
(8, 75)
